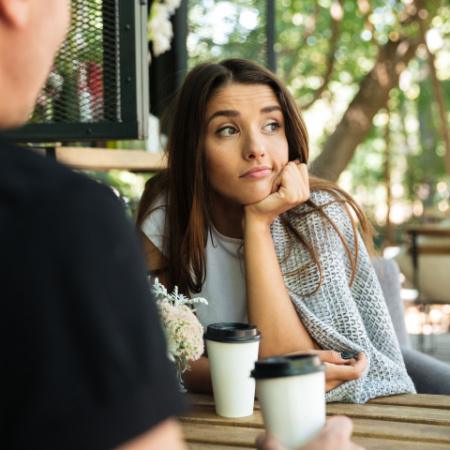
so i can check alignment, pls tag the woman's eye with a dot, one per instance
(273, 126)
(226, 131)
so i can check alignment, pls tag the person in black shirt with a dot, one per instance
(83, 362)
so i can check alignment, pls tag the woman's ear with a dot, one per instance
(15, 13)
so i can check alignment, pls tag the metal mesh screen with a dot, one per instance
(84, 85)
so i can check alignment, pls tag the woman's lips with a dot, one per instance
(257, 172)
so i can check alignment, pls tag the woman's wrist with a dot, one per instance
(256, 221)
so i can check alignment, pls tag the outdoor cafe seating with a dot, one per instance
(119, 112)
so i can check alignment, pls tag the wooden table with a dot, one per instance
(411, 422)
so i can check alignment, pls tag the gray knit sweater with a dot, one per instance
(338, 316)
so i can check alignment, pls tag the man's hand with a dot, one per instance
(335, 435)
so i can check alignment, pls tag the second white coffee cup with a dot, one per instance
(291, 392)
(232, 351)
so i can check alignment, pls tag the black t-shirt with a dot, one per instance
(83, 358)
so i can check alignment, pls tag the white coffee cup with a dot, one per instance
(291, 392)
(232, 350)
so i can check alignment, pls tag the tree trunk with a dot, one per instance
(357, 120)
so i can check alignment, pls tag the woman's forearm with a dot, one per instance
(269, 305)
(198, 379)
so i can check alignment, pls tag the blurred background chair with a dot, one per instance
(425, 262)
(430, 376)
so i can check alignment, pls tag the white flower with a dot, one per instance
(183, 331)
(161, 44)
(160, 30)
(172, 5)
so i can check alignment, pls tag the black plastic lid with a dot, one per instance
(232, 332)
(287, 366)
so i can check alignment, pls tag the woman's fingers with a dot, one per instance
(290, 188)
(304, 178)
(339, 369)
(337, 374)
(330, 356)
(351, 370)
(293, 183)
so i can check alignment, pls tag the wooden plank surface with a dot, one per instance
(108, 159)
(414, 422)
(206, 414)
(405, 431)
(200, 446)
(390, 444)
(393, 413)
(420, 400)
(212, 435)
(366, 424)
(377, 433)
(367, 443)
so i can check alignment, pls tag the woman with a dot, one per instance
(236, 219)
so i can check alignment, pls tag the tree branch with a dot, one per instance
(371, 97)
(330, 62)
(309, 30)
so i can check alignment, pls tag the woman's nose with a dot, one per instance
(253, 146)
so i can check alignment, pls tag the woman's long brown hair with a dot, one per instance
(185, 186)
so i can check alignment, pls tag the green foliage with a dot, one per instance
(223, 29)
(349, 35)
(127, 186)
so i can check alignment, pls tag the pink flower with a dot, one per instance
(183, 329)
(184, 332)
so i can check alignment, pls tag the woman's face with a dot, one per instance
(245, 143)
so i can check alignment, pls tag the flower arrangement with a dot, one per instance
(183, 331)
(160, 30)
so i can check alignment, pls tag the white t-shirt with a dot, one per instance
(224, 286)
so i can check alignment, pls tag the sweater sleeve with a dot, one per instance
(341, 314)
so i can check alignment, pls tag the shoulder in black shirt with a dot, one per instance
(83, 355)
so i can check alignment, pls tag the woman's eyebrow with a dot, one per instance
(226, 113)
(269, 109)
(234, 113)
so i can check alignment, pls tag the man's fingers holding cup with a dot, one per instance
(267, 442)
(337, 433)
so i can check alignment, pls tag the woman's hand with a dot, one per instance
(290, 188)
(338, 369)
